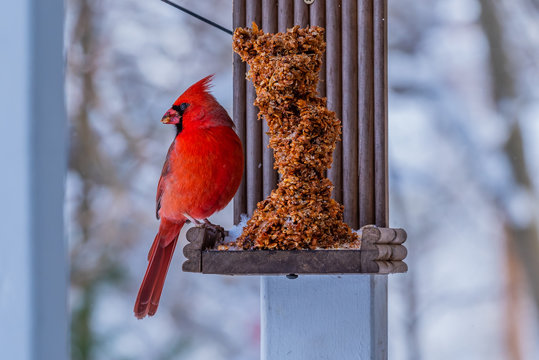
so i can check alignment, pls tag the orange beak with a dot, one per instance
(171, 117)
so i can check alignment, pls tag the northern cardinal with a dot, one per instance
(201, 174)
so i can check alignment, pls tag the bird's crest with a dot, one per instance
(199, 88)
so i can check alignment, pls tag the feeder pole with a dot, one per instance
(324, 317)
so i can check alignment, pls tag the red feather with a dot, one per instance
(159, 261)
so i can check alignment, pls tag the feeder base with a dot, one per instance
(381, 252)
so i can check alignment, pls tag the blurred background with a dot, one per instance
(464, 164)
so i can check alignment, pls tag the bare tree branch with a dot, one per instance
(525, 237)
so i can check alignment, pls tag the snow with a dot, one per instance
(235, 231)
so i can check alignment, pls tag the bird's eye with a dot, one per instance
(180, 108)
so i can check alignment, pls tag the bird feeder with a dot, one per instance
(353, 79)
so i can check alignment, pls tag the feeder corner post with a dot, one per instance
(329, 316)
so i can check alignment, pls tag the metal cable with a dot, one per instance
(201, 18)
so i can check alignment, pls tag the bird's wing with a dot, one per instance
(161, 184)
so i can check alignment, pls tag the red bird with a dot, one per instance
(200, 176)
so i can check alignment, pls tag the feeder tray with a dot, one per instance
(381, 252)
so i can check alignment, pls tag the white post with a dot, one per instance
(33, 261)
(324, 317)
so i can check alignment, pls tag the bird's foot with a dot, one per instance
(217, 230)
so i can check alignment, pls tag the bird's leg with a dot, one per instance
(217, 231)
(193, 220)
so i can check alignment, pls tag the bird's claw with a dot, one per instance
(217, 230)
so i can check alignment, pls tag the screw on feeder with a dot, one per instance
(308, 2)
(292, 276)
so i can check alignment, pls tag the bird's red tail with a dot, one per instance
(159, 260)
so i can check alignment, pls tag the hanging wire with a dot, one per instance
(207, 21)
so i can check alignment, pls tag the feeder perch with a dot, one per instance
(381, 252)
(353, 79)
